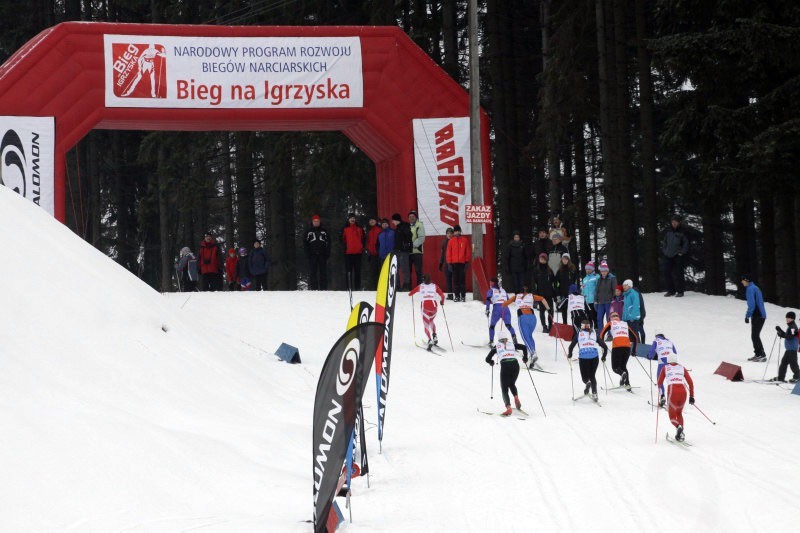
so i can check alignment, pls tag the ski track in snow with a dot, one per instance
(110, 424)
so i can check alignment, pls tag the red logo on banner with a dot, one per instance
(139, 70)
(450, 165)
(478, 214)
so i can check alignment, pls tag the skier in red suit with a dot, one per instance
(677, 384)
(432, 297)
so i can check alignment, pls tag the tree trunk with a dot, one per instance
(785, 258)
(450, 39)
(163, 222)
(581, 199)
(551, 144)
(649, 258)
(744, 238)
(245, 192)
(605, 78)
(227, 192)
(713, 256)
(283, 274)
(767, 240)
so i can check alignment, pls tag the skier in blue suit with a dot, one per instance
(495, 298)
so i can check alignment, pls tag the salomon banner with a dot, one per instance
(384, 313)
(442, 161)
(27, 156)
(232, 72)
(360, 314)
(339, 390)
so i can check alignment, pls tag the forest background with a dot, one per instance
(616, 113)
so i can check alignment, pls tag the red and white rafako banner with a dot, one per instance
(27, 157)
(442, 160)
(232, 72)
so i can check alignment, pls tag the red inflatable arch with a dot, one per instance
(61, 73)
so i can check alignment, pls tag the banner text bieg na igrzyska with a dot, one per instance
(236, 72)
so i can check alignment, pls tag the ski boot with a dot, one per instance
(586, 388)
(435, 339)
(594, 397)
(679, 436)
(777, 380)
(794, 379)
(532, 361)
(429, 345)
(517, 403)
(507, 412)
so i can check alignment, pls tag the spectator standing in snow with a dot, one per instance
(588, 287)
(756, 315)
(444, 266)
(604, 294)
(632, 308)
(543, 280)
(617, 303)
(541, 245)
(210, 265)
(417, 240)
(317, 244)
(458, 257)
(556, 252)
(385, 240)
(243, 275)
(790, 343)
(231, 262)
(373, 260)
(353, 239)
(516, 261)
(674, 246)
(403, 244)
(259, 263)
(566, 276)
(186, 267)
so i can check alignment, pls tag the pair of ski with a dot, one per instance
(781, 384)
(621, 387)
(519, 414)
(678, 442)
(587, 396)
(431, 348)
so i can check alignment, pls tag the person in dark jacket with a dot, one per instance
(403, 244)
(541, 245)
(756, 315)
(243, 274)
(259, 264)
(373, 260)
(186, 267)
(317, 244)
(517, 262)
(210, 264)
(604, 294)
(385, 240)
(543, 281)
(674, 246)
(566, 276)
(444, 266)
(556, 251)
(790, 343)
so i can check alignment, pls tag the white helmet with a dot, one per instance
(501, 333)
(672, 358)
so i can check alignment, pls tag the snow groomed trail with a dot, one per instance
(111, 423)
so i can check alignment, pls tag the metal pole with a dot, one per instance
(476, 181)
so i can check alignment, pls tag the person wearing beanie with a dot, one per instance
(458, 256)
(677, 382)
(756, 315)
(353, 239)
(385, 240)
(604, 294)
(417, 240)
(632, 308)
(674, 246)
(259, 263)
(496, 296)
(790, 344)
(588, 288)
(210, 264)
(516, 261)
(317, 244)
(231, 262)
(617, 303)
(506, 352)
(243, 275)
(566, 275)
(541, 245)
(373, 262)
(186, 269)
(623, 344)
(444, 266)
(543, 281)
(403, 245)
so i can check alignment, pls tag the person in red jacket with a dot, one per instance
(458, 255)
(231, 262)
(353, 239)
(676, 380)
(210, 267)
(373, 261)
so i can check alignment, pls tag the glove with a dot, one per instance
(490, 362)
(487, 311)
(662, 401)
(746, 320)
(569, 355)
(778, 329)
(603, 359)
(691, 400)
(525, 359)
(442, 302)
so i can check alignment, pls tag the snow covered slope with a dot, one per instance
(110, 423)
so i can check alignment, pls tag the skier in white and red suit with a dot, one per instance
(677, 385)
(432, 296)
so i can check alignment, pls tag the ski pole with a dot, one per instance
(605, 381)
(448, 329)
(702, 413)
(413, 319)
(609, 376)
(644, 369)
(571, 377)
(657, 410)
(491, 394)
(651, 385)
(537, 390)
(770, 358)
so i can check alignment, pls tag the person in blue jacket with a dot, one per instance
(588, 285)
(632, 308)
(385, 240)
(791, 341)
(756, 315)
(495, 298)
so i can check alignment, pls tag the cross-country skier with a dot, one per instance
(576, 305)
(661, 349)
(588, 354)
(432, 296)
(526, 317)
(790, 342)
(495, 298)
(623, 343)
(506, 352)
(676, 380)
